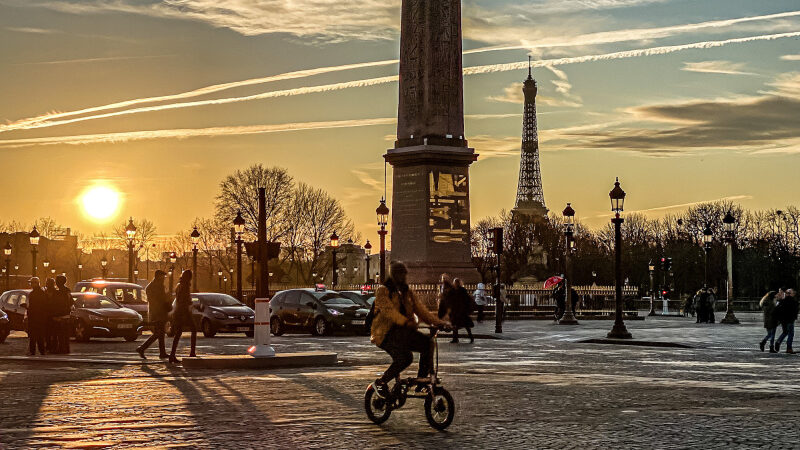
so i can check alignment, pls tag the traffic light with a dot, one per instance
(665, 293)
(668, 264)
(497, 240)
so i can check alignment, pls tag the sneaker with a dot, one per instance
(772, 350)
(381, 389)
(761, 345)
(140, 351)
(777, 348)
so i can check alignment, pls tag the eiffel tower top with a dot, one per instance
(530, 196)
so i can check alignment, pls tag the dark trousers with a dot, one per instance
(181, 322)
(36, 338)
(399, 343)
(770, 336)
(158, 334)
(51, 335)
(63, 333)
(480, 313)
(455, 334)
(787, 332)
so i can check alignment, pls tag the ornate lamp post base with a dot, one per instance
(730, 318)
(652, 307)
(619, 331)
(568, 320)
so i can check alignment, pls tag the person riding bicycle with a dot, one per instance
(394, 327)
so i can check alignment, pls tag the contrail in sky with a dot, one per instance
(475, 70)
(587, 39)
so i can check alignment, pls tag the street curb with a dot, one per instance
(280, 360)
(61, 359)
(634, 343)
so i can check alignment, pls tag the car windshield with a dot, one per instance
(333, 298)
(355, 296)
(127, 295)
(220, 300)
(98, 302)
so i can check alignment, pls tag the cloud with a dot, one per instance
(491, 146)
(32, 30)
(717, 67)
(44, 120)
(511, 94)
(790, 57)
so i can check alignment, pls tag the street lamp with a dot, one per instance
(651, 267)
(238, 228)
(568, 318)
(104, 266)
(334, 246)
(130, 233)
(383, 218)
(708, 238)
(80, 271)
(617, 196)
(34, 237)
(367, 251)
(195, 239)
(173, 258)
(7, 269)
(219, 279)
(729, 225)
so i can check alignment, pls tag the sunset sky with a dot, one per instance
(685, 100)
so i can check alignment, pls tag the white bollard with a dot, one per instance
(665, 306)
(261, 349)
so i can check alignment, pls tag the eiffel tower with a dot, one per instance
(530, 198)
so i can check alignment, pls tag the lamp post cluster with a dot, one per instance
(729, 226)
(367, 251)
(34, 238)
(568, 318)
(195, 235)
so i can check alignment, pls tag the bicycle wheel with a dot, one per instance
(378, 410)
(440, 408)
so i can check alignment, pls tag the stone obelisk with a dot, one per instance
(431, 158)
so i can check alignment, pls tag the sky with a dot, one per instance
(685, 100)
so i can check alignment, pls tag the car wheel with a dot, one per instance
(208, 328)
(250, 333)
(81, 332)
(321, 327)
(132, 337)
(168, 329)
(276, 326)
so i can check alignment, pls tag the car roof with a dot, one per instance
(108, 283)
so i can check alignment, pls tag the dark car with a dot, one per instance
(128, 295)
(15, 304)
(219, 313)
(360, 297)
(319, 311)
(95, 315)
(5, 326)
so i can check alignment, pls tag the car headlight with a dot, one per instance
(334, 312)
(95, 318)
(218, 314)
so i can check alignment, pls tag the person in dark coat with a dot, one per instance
(770, 320)
(447, 298)
(787, 315)
(158, 308)
(51, 329)
(182, 315)
(460, 309)
(62, 307)
(559, 297)
(37, 317)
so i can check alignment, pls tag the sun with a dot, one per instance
(100, 203)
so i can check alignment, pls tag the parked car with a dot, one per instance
(5, 326)
(319, 311)
(214, 313)
(15, 304)
(95, 315)
(359, 297)
(128, 295)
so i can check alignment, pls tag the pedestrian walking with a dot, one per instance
(51, 329)
(559, 297)
(158, 307)
(712, 304)
(460, 309)
(62, 307)
(767, 304)
(481, 300)
(787, 315)
(37, 317)
(182, 315)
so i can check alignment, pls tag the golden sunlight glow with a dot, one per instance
(100, 202)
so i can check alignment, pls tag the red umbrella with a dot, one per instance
(553, 282)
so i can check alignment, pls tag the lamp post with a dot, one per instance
(219, 279)
(617, 195)
(104, 267)
(334, 246)
(46, 264)
(383, 218)
(7, 270)
(367, 251)
(568, 318)
(130, 233)
(173, 257)
(651, 267)
(80, 271)
(238, 228)
(195, 239)
(708, 238)
(34, 237)
(729, 224)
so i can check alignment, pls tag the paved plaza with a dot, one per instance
(537, 387)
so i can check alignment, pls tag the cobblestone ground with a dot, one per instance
(539, 387)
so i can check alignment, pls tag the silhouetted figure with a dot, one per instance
(481, 300)
(158, 308)
(560, 299)
(787, 314)
(460, 309)
(62, 307)
(182, 314)
(51, 329)
(770, 320)
(37, 317)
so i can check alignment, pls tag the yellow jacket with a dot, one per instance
(387, 313)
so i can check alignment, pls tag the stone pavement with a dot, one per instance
(538, 388)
